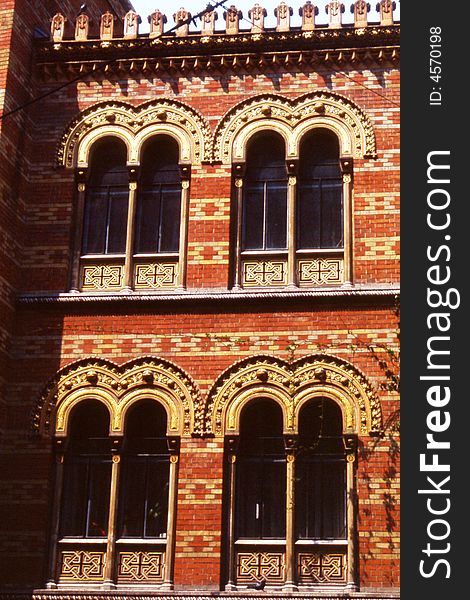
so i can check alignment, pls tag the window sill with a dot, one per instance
(215, 295)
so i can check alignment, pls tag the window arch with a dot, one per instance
(320, 473)
(293, 222)
(87, 473)
(115, 498)
(131, 231)
(106, 201)
(159, 198)
(265, 194)
(261, 479)
(291, 516)
(143, 502)
(319, 218)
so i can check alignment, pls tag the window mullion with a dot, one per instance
(346, 166)
(265, 214)
(184, 216)
(130, 231)
(108, 218)
(58, 487)
(291, 226)
(112, 516)
(79, 221)
(290, 515)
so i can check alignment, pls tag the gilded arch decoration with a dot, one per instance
(134, 124)
(322, 109)
(291, 385)
(118, 387)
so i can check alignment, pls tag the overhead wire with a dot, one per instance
(192, 19)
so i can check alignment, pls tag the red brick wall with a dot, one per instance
(204, 339)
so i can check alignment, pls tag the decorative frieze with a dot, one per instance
(320, 271)
(254, 566)
(264, 273)
(81, 566)
(322, 567)
(156, 275)
(140, 567)
(101, 277)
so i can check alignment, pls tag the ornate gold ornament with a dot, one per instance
(118, 387)
(291, 385)
(322, 567)
(292, 119)
(134, 125)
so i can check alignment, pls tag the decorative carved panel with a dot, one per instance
(82, 565)
(102, 277)
(321, 567)
(156, 275)
(264, 273)
(321, 271)
(253, 566)
(144, 567)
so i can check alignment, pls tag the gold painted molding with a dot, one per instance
(134, 125)
(291, 385)
(292, 119)
(118, 387)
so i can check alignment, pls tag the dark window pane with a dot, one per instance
(332, 215)
(87, 473)
(308, 215)
(106, 202)
(156, 513)
(319, 193)
(170, 219)
(117, 220)
(253, 219)
(74, 498)
(98, 498)
(95, 219)
(264, 224)
(159, 198)
(320, 473)
(144, 483)
(133, 497)
(261, 473)
(148, 214)
(276, 216)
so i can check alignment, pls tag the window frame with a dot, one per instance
(288, 261)
(117, 272)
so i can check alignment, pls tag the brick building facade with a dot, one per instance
(199, 277)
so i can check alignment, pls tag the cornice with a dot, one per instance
(195, 52)
(194, 297)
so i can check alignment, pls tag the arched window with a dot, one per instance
(143, 503)
(115, 498)
(290, 515)
(87, 474)
(319, 192)
(261, 484)
(159, 198)
(320, 473)
(107, 199)
(293, 216)
(129, 231)
(265, 196)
